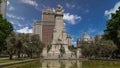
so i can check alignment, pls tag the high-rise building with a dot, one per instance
(3, 6)
(45, 27)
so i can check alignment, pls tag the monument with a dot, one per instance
(59, 34)
(52, 32)
(59, 43)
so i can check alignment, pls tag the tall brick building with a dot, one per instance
(45, 27)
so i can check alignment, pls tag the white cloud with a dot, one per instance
(113, 10)
(12, 22)
(71, 18)
(15, 23)
(8, 2)
(69, 5)
(30, 2)
(24, 30)
(14, 16)
(53, 9)
(11, 8)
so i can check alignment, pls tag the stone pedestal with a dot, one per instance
(79, 53)
(66, 49)
(44, 53)
(55, 49)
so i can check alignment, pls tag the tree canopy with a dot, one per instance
(0, 1)
(112, 31)
(5, 29)
(102, 48)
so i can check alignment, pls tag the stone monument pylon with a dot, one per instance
(59, 34)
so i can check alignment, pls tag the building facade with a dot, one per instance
(45, 27)
(85, 38)
(3, 6)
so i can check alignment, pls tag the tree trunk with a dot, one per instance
(28, 55)
(0, 53)
(10, 56)
(31, 55)
(18, 54)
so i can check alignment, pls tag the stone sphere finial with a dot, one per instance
(59, 8)
(49, 10)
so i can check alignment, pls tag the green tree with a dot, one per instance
(0, 1)
(72, 48)
(19, 44)
(26, 44)
(112, 31)
(10, 42)
(5, 29)
(105, 48)
(36, 46)
(100, 49)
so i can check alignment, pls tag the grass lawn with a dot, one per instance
(8, 60)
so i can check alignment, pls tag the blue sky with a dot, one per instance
(79, 15)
